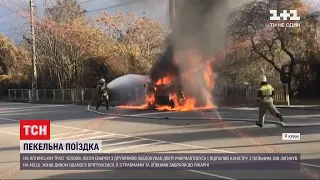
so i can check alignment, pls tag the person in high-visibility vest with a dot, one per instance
(265, 97)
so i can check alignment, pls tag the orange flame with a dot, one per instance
(164, 80)
(185, 102)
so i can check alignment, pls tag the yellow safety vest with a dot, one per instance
(266, 91)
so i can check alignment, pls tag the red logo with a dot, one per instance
(285, 135)
(34, 129)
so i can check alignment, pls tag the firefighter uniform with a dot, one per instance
(103, 94)
(265, 94)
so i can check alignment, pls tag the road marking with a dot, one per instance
(9, 133)
(17, 111)
(132, 147)
(78, 135)
(303, 116)
(133, 115)
(142, 145)
(209, 174)
(206, 124)
(181, 144)
(137, 137)
(63, 134)
(143, 114)
(95, 137)
(33, 107)
(13, 103)
(124, 142)
(311, 165)
(30, 112)
(114, 139)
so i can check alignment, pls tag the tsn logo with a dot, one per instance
(291, 136)
(34, 129)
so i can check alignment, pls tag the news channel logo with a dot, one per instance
(291, 136)
(34, 129)
(291, 18)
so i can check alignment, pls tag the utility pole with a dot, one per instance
(172, 11)
(33, 43)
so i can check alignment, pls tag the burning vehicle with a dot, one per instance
(182, 78)
(164, 93)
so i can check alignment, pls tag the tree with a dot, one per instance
(139, 40)
(12, 58)
(58, 58)
(275, 45)
(67, 51)
(63, 11)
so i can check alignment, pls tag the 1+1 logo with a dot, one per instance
(292, 15)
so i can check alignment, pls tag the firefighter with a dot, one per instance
(1, 71)
(103, 93)
(265, 94)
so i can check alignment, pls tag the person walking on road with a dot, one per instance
(265, 98)
(103, 93)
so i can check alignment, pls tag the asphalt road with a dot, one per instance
(169, 132)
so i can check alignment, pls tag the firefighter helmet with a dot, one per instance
(102, 81)
(263, 79)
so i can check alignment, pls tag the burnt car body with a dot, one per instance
(162, 92)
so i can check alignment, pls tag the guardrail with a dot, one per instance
(83, 96)
(52, 95)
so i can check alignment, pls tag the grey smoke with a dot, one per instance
(198, 25)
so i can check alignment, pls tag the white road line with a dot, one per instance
(303, 116)
(114, 139)
(9, 133)
(63, 134)
(17, 111)
(143, 114)
(28, 113)
(156, 141)
(78, 135)
(13, 103)
(209, 174)
(137, 137)
(124, 142)
(32, 107)
(311, 165)
(133, 115)
(95, 137)
(181, 144)
(132, 147)
(205, 124)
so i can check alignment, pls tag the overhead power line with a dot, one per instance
(114, 6)
(43, 2)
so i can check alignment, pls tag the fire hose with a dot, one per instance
(194, 118)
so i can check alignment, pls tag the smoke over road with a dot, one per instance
(198, 32)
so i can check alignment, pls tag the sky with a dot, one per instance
(13, 25)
